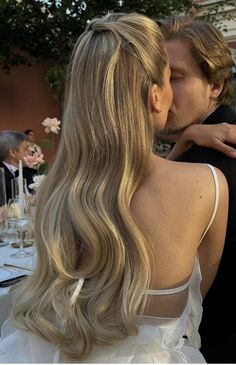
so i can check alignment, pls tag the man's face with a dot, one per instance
(191, 92)
(17, 155)
(23, 150)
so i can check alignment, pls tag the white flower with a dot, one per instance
(51, 125)
(37, 181)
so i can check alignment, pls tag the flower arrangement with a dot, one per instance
(37, 181)
(32, 198)
(36, 161)
(52, 125)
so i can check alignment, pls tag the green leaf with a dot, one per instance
(43, 168)
(46, 144)
(47, 30)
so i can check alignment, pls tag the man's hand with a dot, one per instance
(213, 136)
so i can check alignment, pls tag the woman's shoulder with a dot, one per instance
(188, 185)
(189, 176)
(178, 192)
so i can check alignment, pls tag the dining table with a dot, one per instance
(12, 269)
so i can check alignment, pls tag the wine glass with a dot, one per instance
(22, 225)
(13, 213)
(3, 205)
(20, 219)
(3, 224)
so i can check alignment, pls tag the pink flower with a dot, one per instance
(34, 161)
(51, 125)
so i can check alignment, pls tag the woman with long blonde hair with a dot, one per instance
(120, 249)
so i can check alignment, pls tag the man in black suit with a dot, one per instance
(201, 79)
(13, 148)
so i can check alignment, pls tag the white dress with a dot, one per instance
(159, 340)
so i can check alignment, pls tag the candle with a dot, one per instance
(21, 192)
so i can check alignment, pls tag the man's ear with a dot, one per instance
(155, 99)
(216, 89)
(12, 153)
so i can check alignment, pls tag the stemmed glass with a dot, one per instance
(3, 205)
(19, 217)
(3, 219)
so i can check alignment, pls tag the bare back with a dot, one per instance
(173, 207)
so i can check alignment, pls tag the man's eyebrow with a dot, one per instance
(177, 69)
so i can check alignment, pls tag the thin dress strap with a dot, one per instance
(168, 291)
(216, 181)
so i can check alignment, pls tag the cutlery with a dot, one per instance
(17, 267)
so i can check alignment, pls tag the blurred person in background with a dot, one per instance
(33, 148)
(13, 148)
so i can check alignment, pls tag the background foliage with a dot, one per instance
(47, 30)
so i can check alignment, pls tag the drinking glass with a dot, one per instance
(3, 205)
(19, 219)
(15, 187)
(22, 225)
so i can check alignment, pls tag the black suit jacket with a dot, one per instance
(28, 174)
(218, 326)
(8, 177)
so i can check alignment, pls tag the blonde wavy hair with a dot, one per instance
(84, 226)
(209, 48)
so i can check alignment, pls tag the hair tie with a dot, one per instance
(77, 291)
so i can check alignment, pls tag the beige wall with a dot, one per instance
(25, 100)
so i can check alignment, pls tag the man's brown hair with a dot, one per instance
(208, 47)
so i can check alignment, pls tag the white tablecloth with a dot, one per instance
(5, 257)
(5, 252)
(5, 307)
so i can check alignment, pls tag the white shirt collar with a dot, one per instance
(10, 167)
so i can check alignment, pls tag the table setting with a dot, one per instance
(17, 251)
(13, 268)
